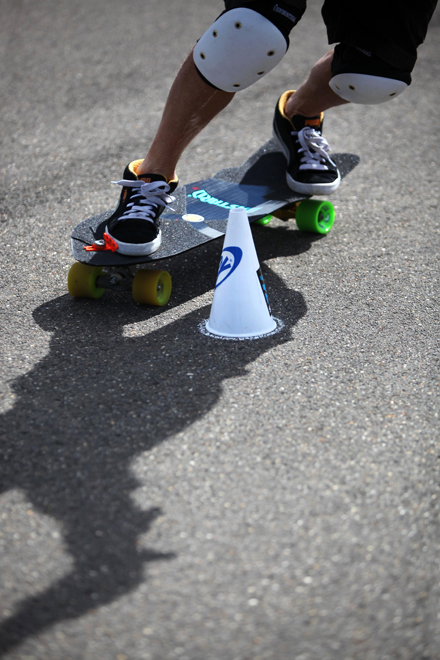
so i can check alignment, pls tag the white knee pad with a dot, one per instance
(365, 89)
(241, 47)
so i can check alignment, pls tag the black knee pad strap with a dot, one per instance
(284, 15)
(348, 59)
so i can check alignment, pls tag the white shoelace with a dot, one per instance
(314, 148)
(145, 202)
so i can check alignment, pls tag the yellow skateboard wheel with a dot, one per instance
(81, 281)
(152, 287)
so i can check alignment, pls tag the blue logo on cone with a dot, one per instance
(230, 259)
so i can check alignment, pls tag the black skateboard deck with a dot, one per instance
(259, 186)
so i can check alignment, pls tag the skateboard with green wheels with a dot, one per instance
(200, 215)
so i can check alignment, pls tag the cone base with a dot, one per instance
(211, 332)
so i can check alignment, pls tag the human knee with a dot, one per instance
(361, 77)
(244, 44)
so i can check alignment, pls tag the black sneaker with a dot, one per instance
(135, 224)
(310, 170)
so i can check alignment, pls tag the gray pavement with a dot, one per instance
(165, 495)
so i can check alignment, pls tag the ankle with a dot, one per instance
(296, 106)
(146, 168)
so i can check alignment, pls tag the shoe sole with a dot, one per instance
(137, 249)
(305, 188)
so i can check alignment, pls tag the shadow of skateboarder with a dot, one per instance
(96, 401)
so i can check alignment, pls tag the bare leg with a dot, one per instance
(190, 106)
(314, 95)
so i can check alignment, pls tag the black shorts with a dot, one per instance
(285, 14)
(390, 29)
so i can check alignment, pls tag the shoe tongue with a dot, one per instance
(299, 122)
(150, 178)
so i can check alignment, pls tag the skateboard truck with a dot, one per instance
(117, 279)
(149, 287)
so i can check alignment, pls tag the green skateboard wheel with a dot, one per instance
(264, 221)
(315, 215)
(81, 281)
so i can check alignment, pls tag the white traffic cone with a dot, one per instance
(240, 307)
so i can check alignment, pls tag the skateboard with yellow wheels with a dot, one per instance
(200, 216)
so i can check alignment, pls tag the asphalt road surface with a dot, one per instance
(165, 495)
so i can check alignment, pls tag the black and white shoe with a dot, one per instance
(135, 224)
(310, 170)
